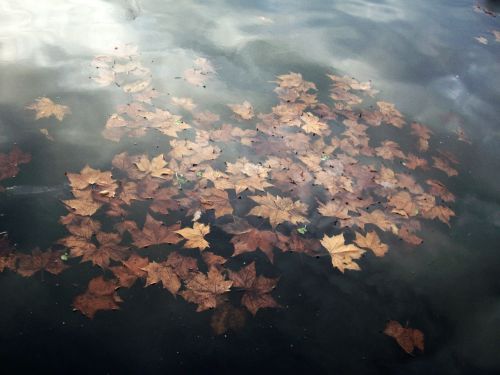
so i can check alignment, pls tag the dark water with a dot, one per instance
(421, 55)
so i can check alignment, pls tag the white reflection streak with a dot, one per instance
(28, 27)
(375, 12)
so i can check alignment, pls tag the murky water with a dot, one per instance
(421, 56)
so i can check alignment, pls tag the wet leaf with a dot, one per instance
(204, 290)
(154, 232)
(371, 241)
(157, 272)
(407, 338)
(244, 110)
(195, 236)
(343, 256)
(279, 209)
(45, 107)
(48, 260)
(100, 295)
(257, 288)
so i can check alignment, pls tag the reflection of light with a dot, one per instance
(374, 12)
(28, 27)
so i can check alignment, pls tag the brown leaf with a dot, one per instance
(195, 236)
(204, 289)
(9, 163)
(83, 204)
(155, 167)
(257, 288)
(407, 338)
(244, 110)
(130, 271)
(218, 200)
(45, 107)
(162, 272)
(343, 255)
(101, 182)
(254, 239)
(371, 241)
(154, 232)
(100, 295)
(49, 260)
(279, 209)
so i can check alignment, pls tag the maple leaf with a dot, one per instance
(163, 200)
(403, 204)
(45, 107)
(443, 165)
(130, 270)
(109, 248)
(391, 114)
(152, 233)
(251, 239)
(279, 209)
(186, 103)
(218, 200)
(244, 110)
(49, 261)
(438, 189)
(257, 288)
(407, 338)
(423, 133)
(371, 241)
(414, 162)
(213, 260)
(335, 208)
(298, 244)
(183, 266)
(100, 295)
(162, 272)
(101, 182)
(146, 95)
(195, 77)
(195, 236)
(204, 289)
(9, 163)
(83, 204)
(343, 255)
(312, 124)
(389, 150)
(155, 167)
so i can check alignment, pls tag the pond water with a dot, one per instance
(118, 65)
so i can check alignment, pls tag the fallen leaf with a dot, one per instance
(407, 338)
(257, 288)
(244, 110)
(157, 272)
(100, 295)
(45, 107)
(343, 255)
(195, 236)
(204, 289)
(371, 241)
(279, 209)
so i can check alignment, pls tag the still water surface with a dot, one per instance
(421, 55)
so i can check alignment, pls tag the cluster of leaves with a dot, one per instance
(303, 164)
